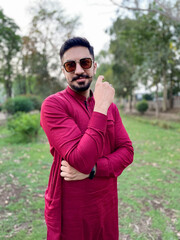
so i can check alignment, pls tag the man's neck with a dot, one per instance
(86, 93)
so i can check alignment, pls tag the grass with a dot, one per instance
(148, 189)
(24, 176)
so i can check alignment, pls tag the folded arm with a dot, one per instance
(113, 164)
(81, 151)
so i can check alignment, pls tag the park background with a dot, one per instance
(137, 47)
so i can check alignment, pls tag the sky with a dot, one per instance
(95, 17)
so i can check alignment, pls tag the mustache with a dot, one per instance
(80, 76)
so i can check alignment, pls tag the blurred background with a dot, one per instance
(137, 49)
(136, 45)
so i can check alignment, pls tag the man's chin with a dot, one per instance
(81, 87)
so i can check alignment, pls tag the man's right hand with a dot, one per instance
(71, 174)
(103, 95)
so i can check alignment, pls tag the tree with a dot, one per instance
(160, 58)
(37, 79)
(125, 57)
(10, 43)
(169, 9)
(40, 53)
(142, 46)
(104, 61)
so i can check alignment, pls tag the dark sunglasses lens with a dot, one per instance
(86, 63)
(70, 66)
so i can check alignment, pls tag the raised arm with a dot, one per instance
(80, 151)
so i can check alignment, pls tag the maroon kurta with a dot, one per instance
(86, 209)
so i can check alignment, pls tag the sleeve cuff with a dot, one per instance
(98, 121)
(102, 169)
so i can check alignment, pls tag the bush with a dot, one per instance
(142, 106)
(37, 101)
(18, 104)
(148, 97)
(24, 126)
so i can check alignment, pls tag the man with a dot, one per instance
(91, 148)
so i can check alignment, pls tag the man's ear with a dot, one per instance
(95, 67)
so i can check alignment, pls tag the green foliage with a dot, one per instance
(18, 104)
(126, 56)
(142, 106)
(10, 43)
(24, 127)
(36, 100)
(148, 97)
(105, 69)
(40, 60)
(145, 49)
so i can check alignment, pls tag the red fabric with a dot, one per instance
(87, 209)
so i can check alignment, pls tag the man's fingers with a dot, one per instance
(100, 79)
(67, 176)
(63, 174)
(63, 169)
(64, 163)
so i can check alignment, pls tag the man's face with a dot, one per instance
(79, 80)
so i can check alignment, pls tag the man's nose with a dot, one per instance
(79, 69)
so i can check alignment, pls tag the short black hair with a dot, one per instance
(76, 42)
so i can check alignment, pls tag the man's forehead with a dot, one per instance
(76, 53)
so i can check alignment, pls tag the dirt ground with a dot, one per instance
(172, 115)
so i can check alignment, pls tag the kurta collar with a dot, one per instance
(77, 95)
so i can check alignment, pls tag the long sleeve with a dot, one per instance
(81, 150)
(113, 164)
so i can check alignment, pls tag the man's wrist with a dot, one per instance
(102, 110)
(92, 173)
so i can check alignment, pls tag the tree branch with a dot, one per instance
(162, 9)
(129, 8)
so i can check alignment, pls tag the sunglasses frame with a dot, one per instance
(79, 63)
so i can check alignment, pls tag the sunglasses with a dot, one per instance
(85, 63)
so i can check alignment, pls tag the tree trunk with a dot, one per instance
(130, 103)
(156, 100)
(171, 100)
(8, 88)
(7, 80)
(134, 101)
(164, 92)
(28, 79)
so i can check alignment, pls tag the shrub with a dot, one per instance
(37, 101)
(18, 104)
(148, 97)
(24, 126)
(142, 106)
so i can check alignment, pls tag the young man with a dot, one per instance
(90, 147)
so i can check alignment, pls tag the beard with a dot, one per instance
(81, 86)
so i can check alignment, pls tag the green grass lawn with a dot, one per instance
(149, 196)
